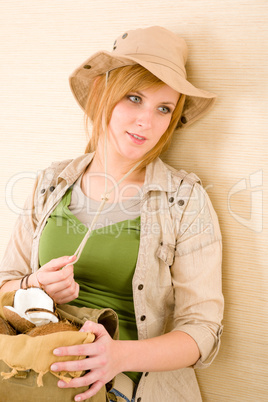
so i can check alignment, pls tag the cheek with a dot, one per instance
(119, 116)
(121, 109)
(113, 117)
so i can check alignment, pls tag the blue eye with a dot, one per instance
(134, 98)
(164, 109)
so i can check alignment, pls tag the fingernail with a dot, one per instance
(78, 398)
(54, 367)
(61, 384)
(71, 257)
(56, 352)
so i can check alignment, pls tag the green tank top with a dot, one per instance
(106, 266)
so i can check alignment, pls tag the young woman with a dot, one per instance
(154, 250)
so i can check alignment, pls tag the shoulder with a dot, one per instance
(53, 171)
(190, 197)
(47, 178)
(199, 220)
(161, 172)
(59, 175)
(70, 165)
(184, 176)
(191, 205)
(59, 166)
(67, 170)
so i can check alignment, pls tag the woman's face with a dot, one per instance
(139, 120)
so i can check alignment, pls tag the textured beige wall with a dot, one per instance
(42, 42)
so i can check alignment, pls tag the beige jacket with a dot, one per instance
(177, 281)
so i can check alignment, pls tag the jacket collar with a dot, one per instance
(158, 177)
(161, 177)
(75, 168)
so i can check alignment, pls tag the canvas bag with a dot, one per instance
(25, 361)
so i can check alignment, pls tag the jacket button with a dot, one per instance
(124, 36)
(139, 400)
(52, 188)
(43, 190)
(87, 67)
(146, 374)
(143, 317)
(181, 203)
(140, 287)
(171, 199)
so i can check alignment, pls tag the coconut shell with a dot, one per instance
(45, 310)
(52, 327)
(41, 316)
(6, 299)
(20, 324)
(6, 328)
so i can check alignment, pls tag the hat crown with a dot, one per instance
(159, 51)
(157, 43)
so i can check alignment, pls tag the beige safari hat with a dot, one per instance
(158, 50)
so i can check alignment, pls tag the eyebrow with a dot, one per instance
(162, 103)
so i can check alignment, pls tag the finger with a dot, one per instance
(88, 349)
(95, 387)
(86, 380)
(53, 277)
(66, 296)
(58, 263)
(75, 365)
(97, 329)
(76, 382)
(60, 280)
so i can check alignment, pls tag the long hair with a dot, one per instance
(105, 95)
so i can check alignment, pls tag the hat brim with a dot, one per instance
(197, 103)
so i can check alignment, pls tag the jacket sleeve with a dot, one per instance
(196, 275)
(16, 260)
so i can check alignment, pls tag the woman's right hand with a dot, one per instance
(57, 279)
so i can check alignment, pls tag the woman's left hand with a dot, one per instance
(103, 361)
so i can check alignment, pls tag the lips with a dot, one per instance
(137, 139)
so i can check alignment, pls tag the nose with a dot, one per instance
(145, 119)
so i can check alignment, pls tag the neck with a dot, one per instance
(116, 167)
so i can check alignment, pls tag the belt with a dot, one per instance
(124, 384)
